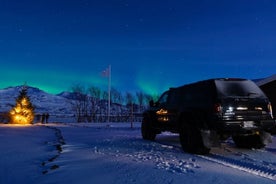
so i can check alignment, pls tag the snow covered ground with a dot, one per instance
(116, 153)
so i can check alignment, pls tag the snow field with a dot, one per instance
(116, 153)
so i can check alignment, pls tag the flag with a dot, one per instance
(105, 73)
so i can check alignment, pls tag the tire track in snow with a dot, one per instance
(245, 161)
(267, 171)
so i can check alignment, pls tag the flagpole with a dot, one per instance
(109, 91)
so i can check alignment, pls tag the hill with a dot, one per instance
(64, 107)
(43, 101)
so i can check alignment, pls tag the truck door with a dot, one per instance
(166, 111)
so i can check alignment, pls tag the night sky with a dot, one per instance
(150, 44)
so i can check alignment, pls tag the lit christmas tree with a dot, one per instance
(23, 112)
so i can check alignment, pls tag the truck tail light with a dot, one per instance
(217, 108)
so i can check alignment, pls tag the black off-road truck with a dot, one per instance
(209, 111)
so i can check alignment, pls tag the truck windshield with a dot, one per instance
(238, 88)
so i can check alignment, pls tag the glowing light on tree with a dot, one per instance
(23, 111)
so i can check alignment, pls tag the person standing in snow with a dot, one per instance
(43, 118)
(46, 117)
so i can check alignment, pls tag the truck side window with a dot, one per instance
(163, 99)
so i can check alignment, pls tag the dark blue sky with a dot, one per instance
(151, 45)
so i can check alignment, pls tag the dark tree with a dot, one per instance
(94, 94)
(80, 104)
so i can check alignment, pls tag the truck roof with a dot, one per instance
(209, 80)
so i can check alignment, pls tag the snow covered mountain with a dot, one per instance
(61, 107)
(43, 101)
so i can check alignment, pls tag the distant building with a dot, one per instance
(268, 85)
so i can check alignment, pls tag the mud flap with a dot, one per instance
(210, 138)
(266, 137)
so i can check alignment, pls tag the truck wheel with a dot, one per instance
(249, 141)
(146, 129)
(191, 140)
